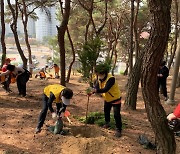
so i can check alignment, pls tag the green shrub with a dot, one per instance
(88, 56)
(98, 119)
(121, 72)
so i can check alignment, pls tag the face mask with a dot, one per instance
(101, 76)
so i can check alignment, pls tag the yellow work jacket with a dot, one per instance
(56, 89)
(113, 93)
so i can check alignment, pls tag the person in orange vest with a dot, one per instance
(22, 76)
(42, 72)
(7, 78)
(108, 87)
(54, 93)
(56, 70)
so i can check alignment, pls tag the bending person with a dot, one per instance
(53, 93)
(22, 77)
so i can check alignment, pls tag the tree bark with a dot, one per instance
(3, 34)
(73, 51)
(176, 35)
(115, 56)
(136, 37)
(61, 33)
(73, 60)
(86, 31)
(160, 13)
(25, 22)
(133, 83)
(178, 81)
(14, 30)
(175, 75)
(131, 38)
(126, 70)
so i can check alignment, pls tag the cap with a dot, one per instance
(65, 100)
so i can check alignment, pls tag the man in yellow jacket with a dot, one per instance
(54, 93)
(109, 89)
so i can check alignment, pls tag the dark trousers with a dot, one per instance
(7, 83)
(162, 83)
(21, 83)
(117, 115)
(44, 110)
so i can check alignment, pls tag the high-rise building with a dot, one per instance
(46, 24)
(20, 29)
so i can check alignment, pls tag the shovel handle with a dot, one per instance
(87, 108)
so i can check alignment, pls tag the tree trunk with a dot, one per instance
(73, 51)
(61, 33)
(25, 21)
(136, 39)
(115, 56)
(73, 60)
(178, 81)
(131, 38)
(176, 35)
(160, 13)
(133, 83)
(126, 70)
(24, 59)
(3, 34)
(29, 49)
(175, 76)
(14, 30)
(86, 32)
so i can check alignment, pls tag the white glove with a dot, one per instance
(171, 116)
(54, 115)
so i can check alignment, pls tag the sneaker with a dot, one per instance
(118, 133)
(177, 133)
(37, 130)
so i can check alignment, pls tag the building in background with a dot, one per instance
(20, 29)
(43, 27)
(46, 25)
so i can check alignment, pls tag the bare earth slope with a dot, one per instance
(19, 116)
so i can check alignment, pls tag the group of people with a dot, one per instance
(106, 85)
(43, 71)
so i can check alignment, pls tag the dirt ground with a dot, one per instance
(19, 115)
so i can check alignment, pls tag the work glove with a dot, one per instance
(90, 91)
(54, 116)
(171, 116)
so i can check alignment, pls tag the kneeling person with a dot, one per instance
(54, 93)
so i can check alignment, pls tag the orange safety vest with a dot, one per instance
(42, 74)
